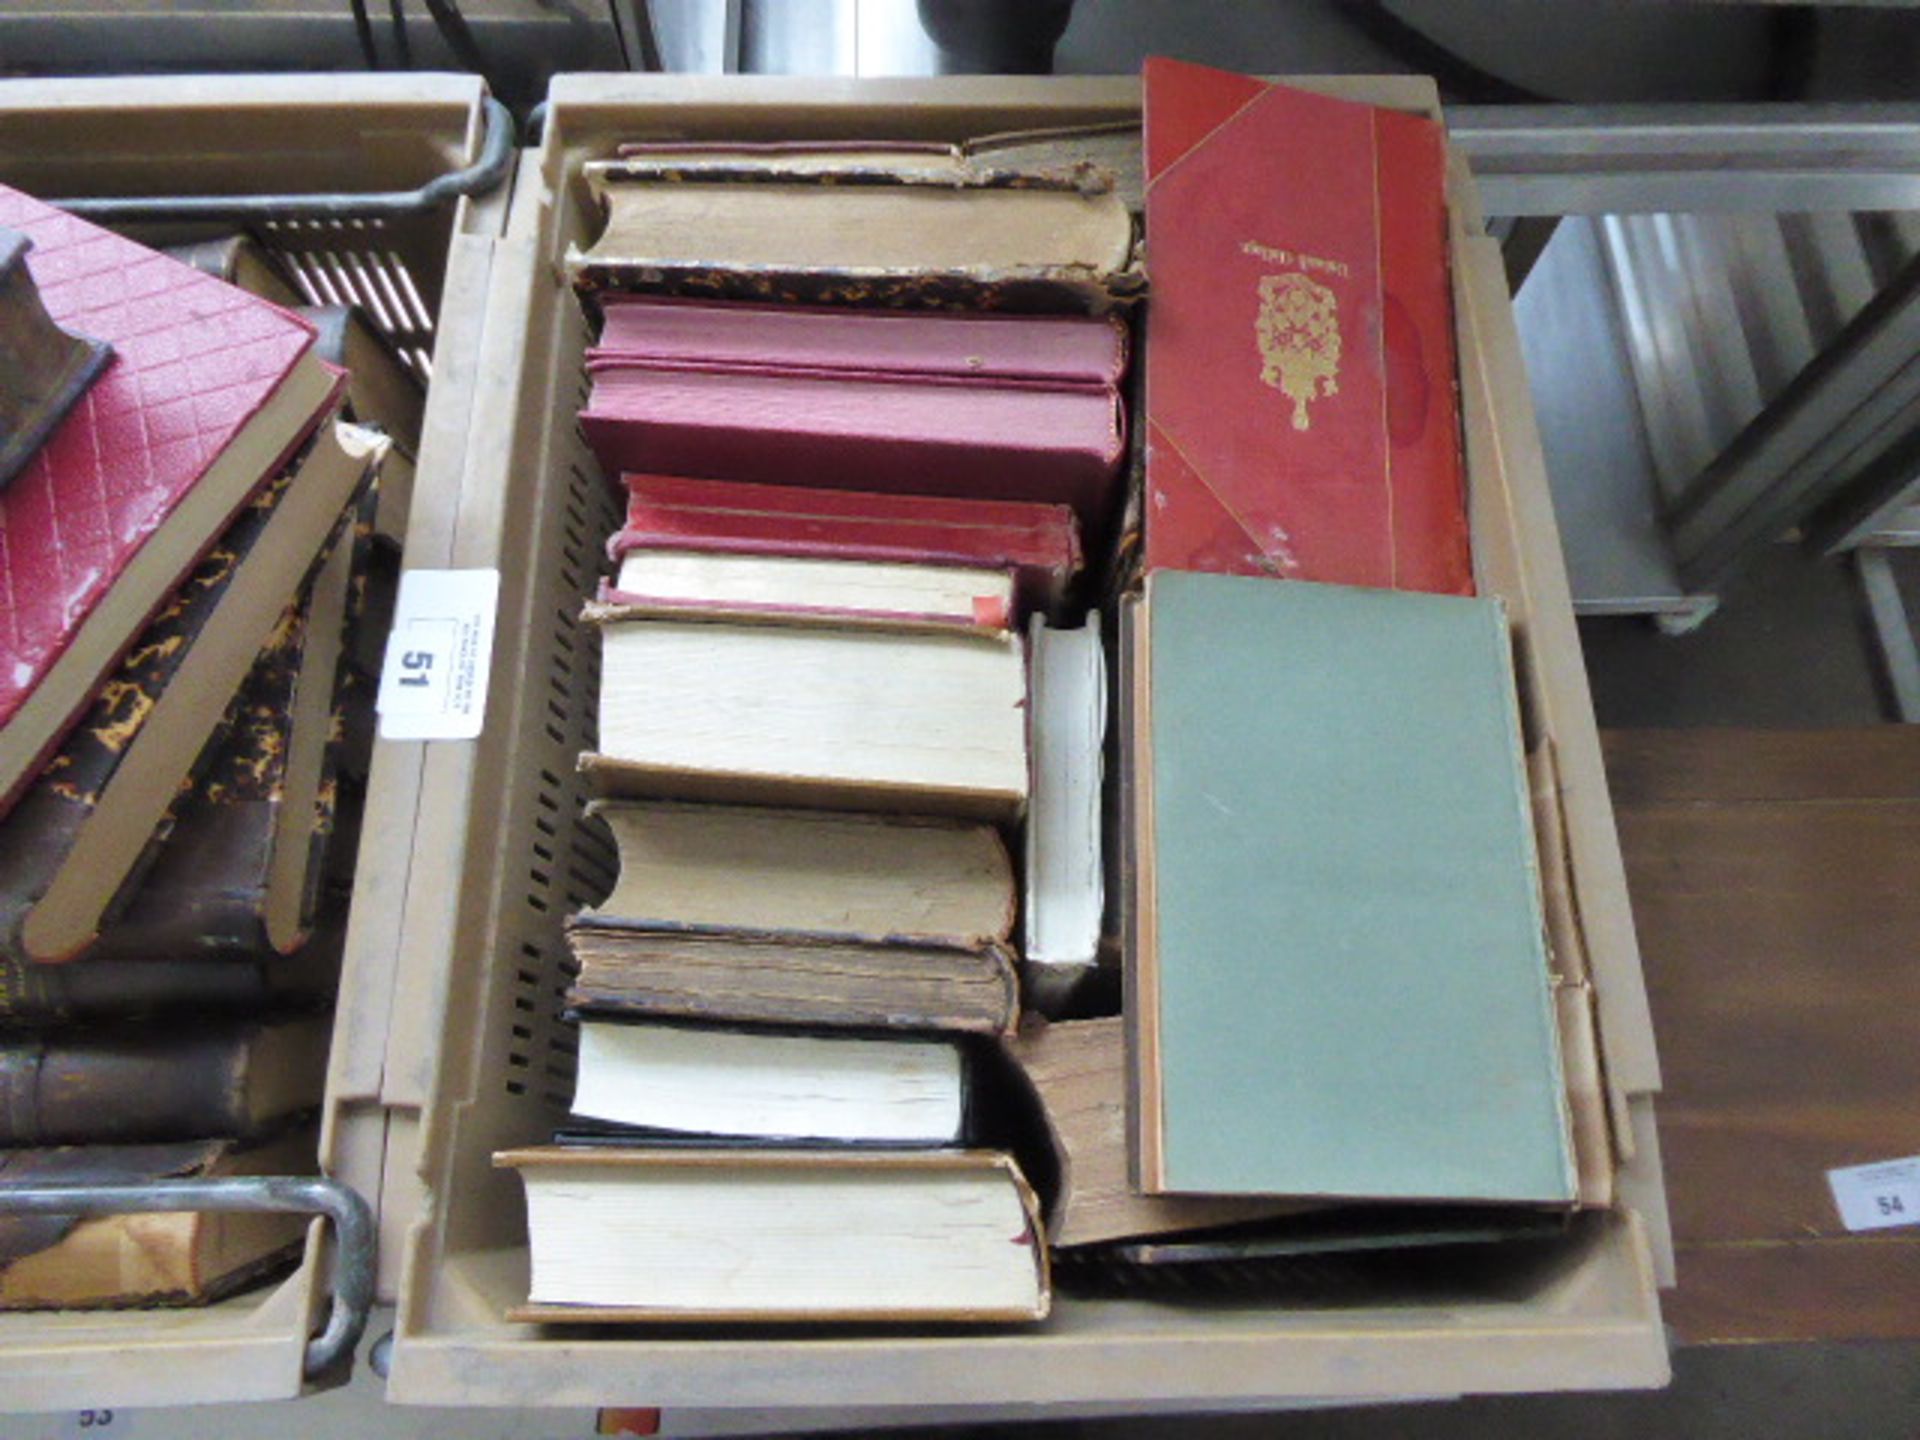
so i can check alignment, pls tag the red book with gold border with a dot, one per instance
(1302, 386)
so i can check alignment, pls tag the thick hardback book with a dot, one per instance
(1302, 389)
(676, 1235)
(44, 370)
(906, 878)
(725, 973)
(833, 717)
(209, 391)
(140, 1083)
(994, 407)
(1339, 981)
(79, 840)
(168, 1258)
(924, 232)
(774, 590)
(772, 1085)
(1038, 544)
(46, 997)
(1065, 855)
(239, 871)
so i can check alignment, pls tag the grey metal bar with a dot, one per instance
(1892, 630)
(496, 158)
(1624, 159)
(1757, 488)
(353, 1251)
(1872, 505)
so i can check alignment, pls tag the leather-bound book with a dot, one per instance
(239, 873)
(1302, 388)
(648, 970)
(80, 839)
(138, 1083)
(867, 223)
(209, 392)
(101, 991)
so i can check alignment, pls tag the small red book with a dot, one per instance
(1302, 387)
(1040, 544)
(988, 407)
(208, 392)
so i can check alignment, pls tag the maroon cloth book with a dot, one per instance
(1040, 544)
(1068, 349)
(994, 407)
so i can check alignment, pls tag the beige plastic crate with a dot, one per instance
(500, 856)
(231, 135)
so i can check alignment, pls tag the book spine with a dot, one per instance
(200, 887)
(973, 349)
(1039, 289)
(37, 832)
(109, 1089)
(990, 614)
(721, 499)
(1054, 447)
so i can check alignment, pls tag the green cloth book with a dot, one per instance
(1339, 983)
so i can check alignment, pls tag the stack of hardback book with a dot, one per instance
(818, 708)
(823, 754)
(813, 724)
(182, 557)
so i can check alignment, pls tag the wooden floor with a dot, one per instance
(1775, 878)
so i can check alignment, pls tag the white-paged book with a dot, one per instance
(638, 1236)
(847, 718)
(703, 1080)
(1065, 889)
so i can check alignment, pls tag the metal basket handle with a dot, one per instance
(353, 1253)
(496, 156)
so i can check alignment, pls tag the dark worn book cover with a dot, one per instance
(188, 988)
(209, 889)
(38, 832)
(138, 1083)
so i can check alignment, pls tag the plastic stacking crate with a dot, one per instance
(500, 855)
(359, 185)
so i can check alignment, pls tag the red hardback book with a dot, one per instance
(1074, 350)
(209, 390)
(972, 406)
(1040, 544)
(1302, 388)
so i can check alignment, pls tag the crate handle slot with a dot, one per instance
(496, 155)
(353, 1254)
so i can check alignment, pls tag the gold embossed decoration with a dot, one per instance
(1298, 331)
